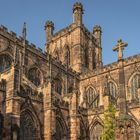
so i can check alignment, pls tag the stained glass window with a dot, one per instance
(5, 62)
(34, 76)
(135, 84)
(112, 89)
(91, 97)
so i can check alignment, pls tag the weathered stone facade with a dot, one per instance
(61, 94)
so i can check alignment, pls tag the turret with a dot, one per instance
(49, 28)
(97, 32)
(77, 13)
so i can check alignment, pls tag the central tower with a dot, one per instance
(75, 46)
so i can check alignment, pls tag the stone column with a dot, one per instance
(12, 116)
(125, 124)
(74, 120)
(49, 113)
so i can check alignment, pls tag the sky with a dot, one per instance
(119, 19)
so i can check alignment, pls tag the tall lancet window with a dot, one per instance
(92, 98)
(112, 89)
(135, 84)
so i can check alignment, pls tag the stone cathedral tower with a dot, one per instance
(61, 94)
(75, 43)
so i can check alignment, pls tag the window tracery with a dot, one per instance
(34, 76)
(112, 89)
(97, 132)
(92, 98)
(58, 86)
(28, 129)
(134, 85)
(5, 62)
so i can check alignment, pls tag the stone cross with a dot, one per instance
(119, 48)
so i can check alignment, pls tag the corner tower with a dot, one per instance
(77, 13)
(49, 28)
(97, 33)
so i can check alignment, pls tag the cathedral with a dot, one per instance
(61, 93)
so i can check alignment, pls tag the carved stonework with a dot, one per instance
(62, 93)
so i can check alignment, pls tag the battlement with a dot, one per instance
(13, 37)
(110, 67)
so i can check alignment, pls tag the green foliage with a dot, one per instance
(109, 123)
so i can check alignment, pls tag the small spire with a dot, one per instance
(24, 31)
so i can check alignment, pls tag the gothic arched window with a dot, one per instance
(92, 98)
(5, 62)
(58, 85)
(34, 76)
(96, 132)
(112, 89)
(135, 84)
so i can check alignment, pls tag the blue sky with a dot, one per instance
(118, 18)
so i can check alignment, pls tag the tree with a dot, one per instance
(109, 123)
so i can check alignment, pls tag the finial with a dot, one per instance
(24, 31)
(78, 5)
(97, 28)
(49, 24)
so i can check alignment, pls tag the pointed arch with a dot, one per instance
(92, 97)
(134, 85)
(35, 75)
(67, 55)
(61, 126)
(96, 128)
(5, 61)
(30, 126)
(112, 88)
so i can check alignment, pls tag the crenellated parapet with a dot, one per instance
(12, 36)
(111, 67)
